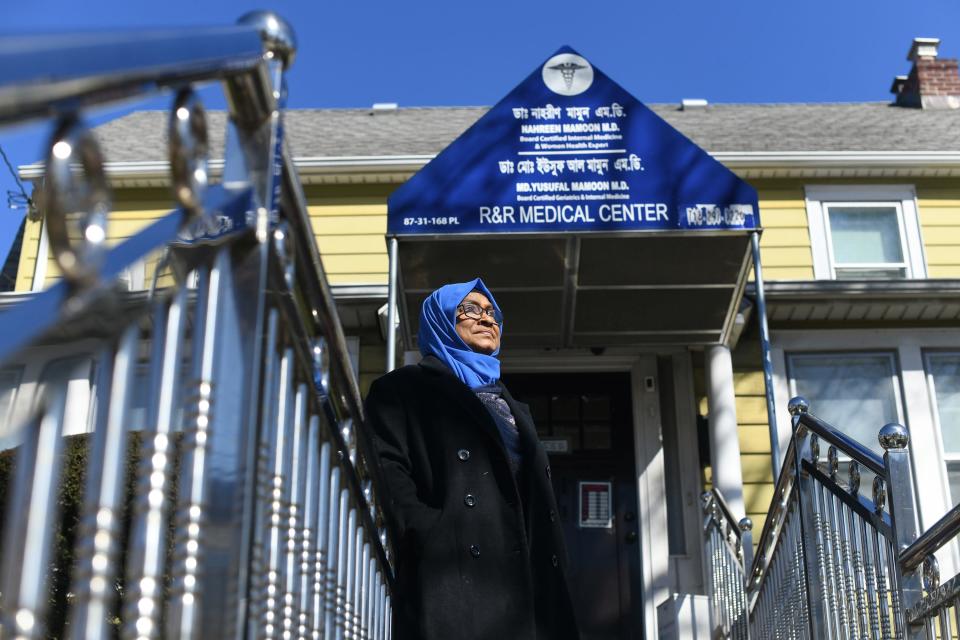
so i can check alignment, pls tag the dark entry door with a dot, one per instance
(586, 423)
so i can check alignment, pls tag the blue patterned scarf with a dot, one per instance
(438, 335)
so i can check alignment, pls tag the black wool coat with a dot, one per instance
(481, 555)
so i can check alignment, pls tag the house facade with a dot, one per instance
(860, 254)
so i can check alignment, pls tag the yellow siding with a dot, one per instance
(353, 228)
(350, 223)
(754, 436)
(28, 255)
(132, 210)
(785, 243)
(939, 210)
(756, 499)
(350, 226)
(123, 224)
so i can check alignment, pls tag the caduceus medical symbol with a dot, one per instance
(567, 69)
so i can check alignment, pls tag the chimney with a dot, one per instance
(933, 83)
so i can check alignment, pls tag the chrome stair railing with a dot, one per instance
(832, 563)
(247, 506)
(728, 548)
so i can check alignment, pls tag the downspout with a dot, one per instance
(765, 355)
(392, 306)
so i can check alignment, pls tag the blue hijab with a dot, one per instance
(438, 335)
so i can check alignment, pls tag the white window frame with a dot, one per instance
(901, 197)
(34, 363)
(40, 267)
(134, 276)
(935, 410)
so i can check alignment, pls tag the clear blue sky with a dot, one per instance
(450, 52)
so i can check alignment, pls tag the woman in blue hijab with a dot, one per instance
(481, 547)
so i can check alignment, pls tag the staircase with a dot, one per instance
(247, 504)
(832, 562)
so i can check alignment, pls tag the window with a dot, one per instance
(866, 241)
(864, 233)
(854, 392)
(132, 278)
(943, 378)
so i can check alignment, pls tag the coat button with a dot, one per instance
(475, 551)
(548, 471)
(470, 500)
(463, 454)
(554, 560)
(553, 515)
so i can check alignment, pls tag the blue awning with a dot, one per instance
(594, 221)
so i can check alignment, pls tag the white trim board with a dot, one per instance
(651, 492)
(40, 266)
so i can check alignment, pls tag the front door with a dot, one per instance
(585, 422)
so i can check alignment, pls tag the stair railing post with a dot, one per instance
(903, 514)
(816, 596)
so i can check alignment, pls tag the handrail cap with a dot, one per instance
(893, 436)
(745, 524)
(277, 34)
(798, 405)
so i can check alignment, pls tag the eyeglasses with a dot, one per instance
(476, 312)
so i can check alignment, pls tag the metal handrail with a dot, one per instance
(316, 289)
(29, 320)
(726, 546)
(816, 572)
(845, 443)
(823, 430)
(939, 534)
(725, 509)
(832, 563)
(771, 524)
(323, 308)
(105, 67)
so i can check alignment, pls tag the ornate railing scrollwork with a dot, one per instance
(189, 149)
(77, 201)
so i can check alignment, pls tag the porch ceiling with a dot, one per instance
(588, 289)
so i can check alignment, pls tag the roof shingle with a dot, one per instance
(328, 133)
